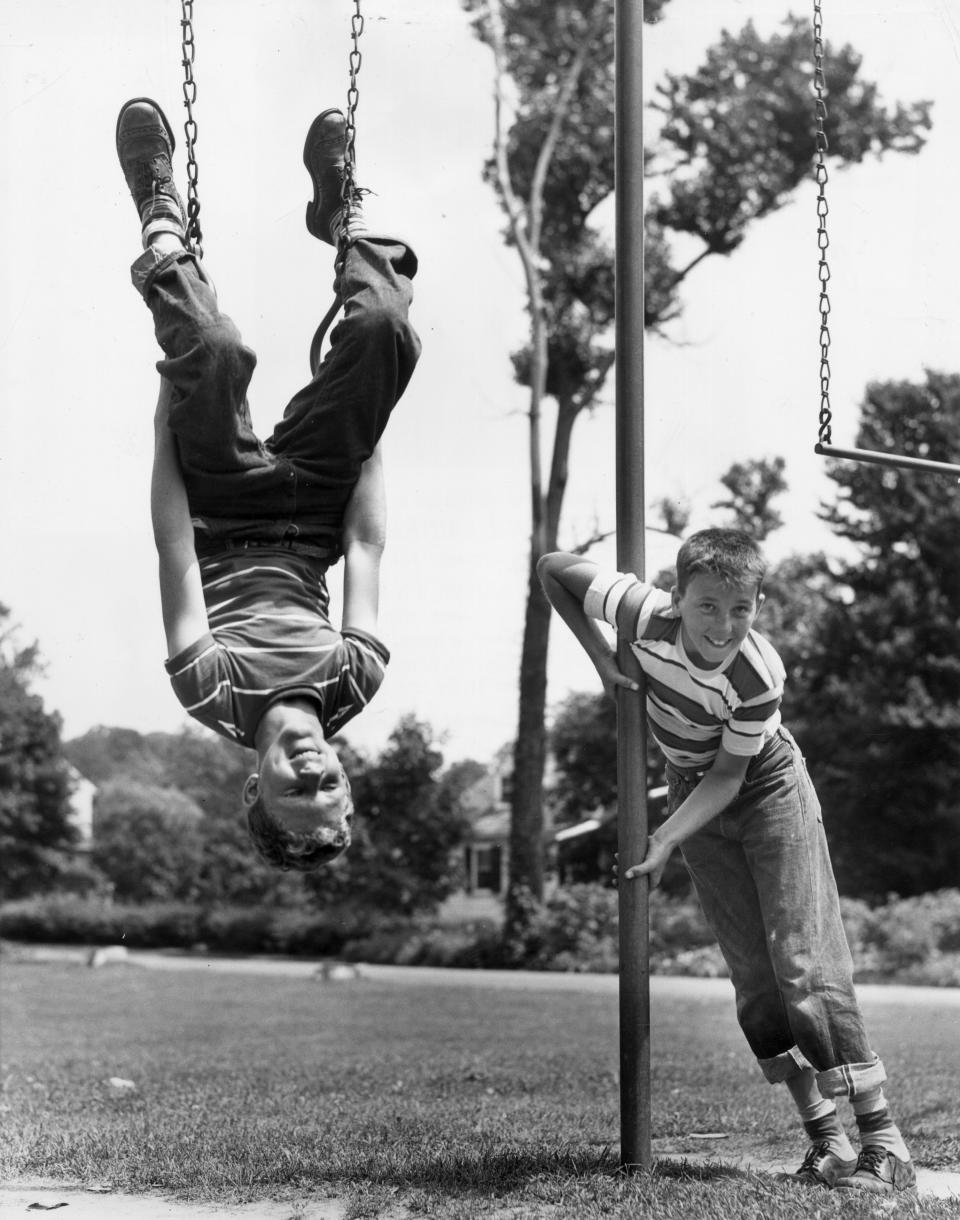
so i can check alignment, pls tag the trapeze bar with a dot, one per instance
(888, 459)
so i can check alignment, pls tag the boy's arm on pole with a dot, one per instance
(566, 578)
(181, 591)
(364, 537)
(711, 796)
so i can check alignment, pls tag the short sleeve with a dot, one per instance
(624, 602)
(757, 675)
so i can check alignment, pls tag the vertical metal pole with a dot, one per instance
(631, 724)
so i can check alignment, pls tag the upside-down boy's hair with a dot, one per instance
(730, 554)
(302, 850)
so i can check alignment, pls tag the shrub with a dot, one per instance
(677, 925)
(162, 925)
(913, 940)
(575, 928)
(704, 963)
(906, 935)
(67, 919)
(231, 929)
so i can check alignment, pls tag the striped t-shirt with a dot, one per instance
(270, 639)
(692, 712)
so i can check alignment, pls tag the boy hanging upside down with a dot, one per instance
(245, 529)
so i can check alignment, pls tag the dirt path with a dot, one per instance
(74, 1203)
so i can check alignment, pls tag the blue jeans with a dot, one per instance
(763, 876)
(294, 486)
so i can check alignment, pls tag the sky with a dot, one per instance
(736, 377)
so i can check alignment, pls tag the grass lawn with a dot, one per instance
(450, 1102)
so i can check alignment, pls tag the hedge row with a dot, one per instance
(73, 920)
(914, 940)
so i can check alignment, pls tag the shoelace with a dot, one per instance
(870, 1159)
(816, 1153)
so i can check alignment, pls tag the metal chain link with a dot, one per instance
(823, 240)
(194, 236)
(348, 188)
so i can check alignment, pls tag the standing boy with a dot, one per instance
(245, 529)
(744, 813)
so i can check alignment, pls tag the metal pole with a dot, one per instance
(631, 725)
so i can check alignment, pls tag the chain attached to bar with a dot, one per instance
(823, 240)
(194, 236)
(348, 188)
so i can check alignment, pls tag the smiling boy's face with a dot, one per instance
(302, 783)
(715, 617)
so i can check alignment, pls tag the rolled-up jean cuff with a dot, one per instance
(150, 262)
(851, 1079)
(784, 1067)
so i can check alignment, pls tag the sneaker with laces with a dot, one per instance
(880, 1171)
(324, 155)
(820, 1167)
(145, 147)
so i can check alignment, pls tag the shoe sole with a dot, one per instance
(163, 118)
(315, 201)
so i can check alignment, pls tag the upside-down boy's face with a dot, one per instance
(715, 616)
(303, 785)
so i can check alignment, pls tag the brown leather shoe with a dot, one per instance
(145, 148)
(820, 1167)
(323, 155)
(880, 1171)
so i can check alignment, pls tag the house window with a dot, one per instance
(488, 868)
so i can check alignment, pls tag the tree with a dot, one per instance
(736, 135)
(752, 485)
(583, 743)
(407, 831)
(36, 835)
(208, 773)
(148, 842)
(881, 695)
(734, 142)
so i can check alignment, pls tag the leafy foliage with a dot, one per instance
(170, 823)
(881, 698)
(735, 139)
(751, 486)
(409, 825)
(206, 773)
(36, 834)
(148, 841)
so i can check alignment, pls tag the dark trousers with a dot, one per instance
(296, 484)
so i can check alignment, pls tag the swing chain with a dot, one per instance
(348, 187)
(823, 240)
(194, 236)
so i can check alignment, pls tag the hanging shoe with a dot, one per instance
(324, 156)
(145, 147)
(881, 1172)
(820, 1167)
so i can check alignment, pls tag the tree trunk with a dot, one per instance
(529, 756)
(530, 750)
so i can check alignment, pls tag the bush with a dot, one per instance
(162, 925)
(576, 929)
(475, 945)
(911, 940)
(70, 920)
(67, 919)
(677, 925)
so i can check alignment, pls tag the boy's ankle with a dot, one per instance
(162, 240)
